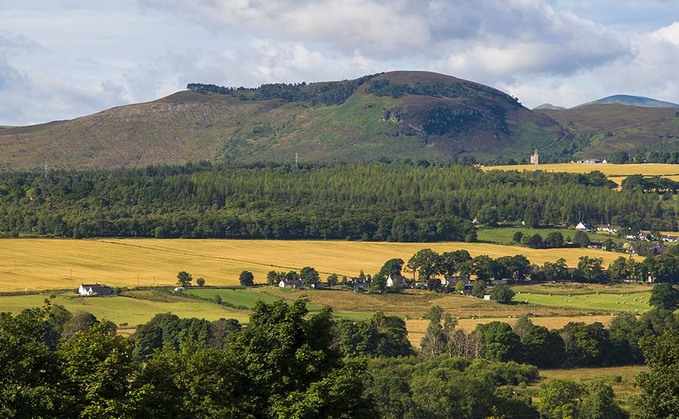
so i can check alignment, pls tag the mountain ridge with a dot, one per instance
(399, 115)
(395, 115)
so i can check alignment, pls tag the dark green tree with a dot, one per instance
(246, 279)
(479, 288)
(664, 296)
(309, 276)
(503, 294)
(659, 390)
(581, 238)
(184, 279)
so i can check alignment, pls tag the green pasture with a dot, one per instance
(248, 298)
(504, 235)
(610, 299)
(621, 379)
(132, 309)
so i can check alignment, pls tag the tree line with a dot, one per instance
(287, 363)
(400, 201)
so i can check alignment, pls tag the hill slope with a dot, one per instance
(606, 130)
(398, 115)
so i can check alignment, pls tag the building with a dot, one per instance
(583, 227)
(92, 290)
(535, 158)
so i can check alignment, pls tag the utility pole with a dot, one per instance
(297, 160)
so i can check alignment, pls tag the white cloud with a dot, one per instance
(69, 58)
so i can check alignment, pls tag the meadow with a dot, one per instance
(615, 172)
(50, 264)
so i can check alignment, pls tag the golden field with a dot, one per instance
(39, 264)
(616, 172)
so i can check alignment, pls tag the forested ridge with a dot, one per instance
(358, 201)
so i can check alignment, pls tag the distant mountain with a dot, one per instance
(628, 100)
(396, 115)
(548, 106)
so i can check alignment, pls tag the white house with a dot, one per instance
(91, 290)
(583, 227)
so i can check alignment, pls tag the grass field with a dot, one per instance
(504, 235)
(620, 378)
(132, 308)
(616, 172)
(40, 264)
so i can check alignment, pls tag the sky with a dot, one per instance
(60, 59)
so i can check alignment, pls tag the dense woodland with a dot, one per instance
(286, 363)
(379, 201)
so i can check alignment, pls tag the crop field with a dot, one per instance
(42, 264)
(615, 172)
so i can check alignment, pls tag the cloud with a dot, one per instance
(470, 35)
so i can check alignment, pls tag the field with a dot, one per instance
(620, 378)
(615, 172)
(504, 235)
(41, 264)
(129, 309)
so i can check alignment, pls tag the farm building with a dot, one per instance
(92, 290)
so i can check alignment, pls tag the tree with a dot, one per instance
(30, 373)
(246, 279)
(592, 270)
(479, 288)
(581, 238)
(664, 296)
(534, 242)
(518, 235)
(332, 280)
(502, 294)
(599, 402)
(309, 277)
(98, 365)
(80, 321)
(291, 366)
(554, 239)
(184, 279)
(659, 393)
(273, 277)
(434, 341)
(561, 399)
(425, 263)
(499, 342)
(200, 282)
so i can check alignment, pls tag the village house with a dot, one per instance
(291, 284)
(92, 290)
(359, 284)
(583, 227)
(398, 281)
(607, 228)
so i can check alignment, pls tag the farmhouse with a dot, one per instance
(92, 290)
(583, 227)
(291, 283)
(398, 281)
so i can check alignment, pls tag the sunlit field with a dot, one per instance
(39, 264)
(616, 172)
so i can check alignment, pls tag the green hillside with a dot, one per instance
(610, 130)
(398, 115)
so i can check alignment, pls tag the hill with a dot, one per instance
(628, 100)
(621, 133)
(397, 115)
